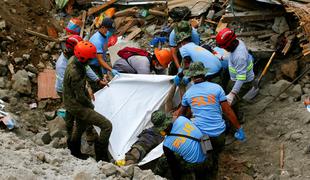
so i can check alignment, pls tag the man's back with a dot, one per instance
(204, 99)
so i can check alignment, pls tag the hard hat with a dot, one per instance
(307, 103)
(72, 41)
(109, 24)
(85, 50)
(163, 56)
(183, 31)
(195, 69)
(160, 120)
(109, 12)
(225, 38)
(74, 26)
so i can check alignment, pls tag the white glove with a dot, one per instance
(230, 97)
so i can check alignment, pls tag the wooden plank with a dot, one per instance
(264, 36)
(210, 21)
(100, 7)
(251, 16)
(158, 13)
(43, 36)
(83, 23)
(254, 33)
(220, 26)
(133, 34)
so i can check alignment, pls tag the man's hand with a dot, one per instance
(230, 97)
(115, 72)
(240, 135)
(91, 94)
(177, 80)
(103, 82)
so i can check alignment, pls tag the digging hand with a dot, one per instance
(240, 135)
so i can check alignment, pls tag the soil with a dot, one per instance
(283, 122)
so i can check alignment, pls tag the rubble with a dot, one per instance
(21, 82)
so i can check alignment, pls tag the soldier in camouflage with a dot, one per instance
(79, 106)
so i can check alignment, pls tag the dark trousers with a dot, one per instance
(85, 117)
(180, 169)
(218, 144)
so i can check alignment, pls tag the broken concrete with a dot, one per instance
(21, 82)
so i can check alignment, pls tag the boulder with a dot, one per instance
(290, 69)
(31, 68)
(279, 86)
(296, 91)
(18, 60)
(82, 176)
(56, 125)
(26, 56)
(109, 169)
(21, 82)
(46, 138)
(280, 25)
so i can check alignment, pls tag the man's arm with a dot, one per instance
(91, 74)
(103, 63)
(79, 91)
(175, 56)
(230, 114)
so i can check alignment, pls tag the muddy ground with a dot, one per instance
(283, 122)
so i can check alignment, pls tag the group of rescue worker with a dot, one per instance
(209, 103)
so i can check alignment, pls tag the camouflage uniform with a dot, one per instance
(80, 108)
(148, 139)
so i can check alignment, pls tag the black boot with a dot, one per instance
(101, 152)
(75, 148)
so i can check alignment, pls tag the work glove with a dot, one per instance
(180, 70)
(177, 80)
(230, 98)
(186, 80)
(115, 72)
(240, 135)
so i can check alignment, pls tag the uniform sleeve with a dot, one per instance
(99, 46)
(222, 96)
(195, 37)
(172, 42)
(185, 100)
(183, 52)
(91, 74)
(241, 72)
(79, 91)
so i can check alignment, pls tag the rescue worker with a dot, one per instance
(240, 63)
(78, 104)
(207, 100)
(100, 40)
(184, 155)
(62, 63)
(138, 64)
(307, 103)
(149, 138)
(181, 26)
(74, 26)
(190, 52)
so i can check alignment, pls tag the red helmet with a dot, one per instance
(85, 50)
(225, 37)
(72, 41)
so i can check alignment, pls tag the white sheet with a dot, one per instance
(128, 103)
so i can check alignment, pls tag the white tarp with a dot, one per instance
(128, 103)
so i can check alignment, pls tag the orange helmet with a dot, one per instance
(109, 12)
(85, 50)
(163, 56)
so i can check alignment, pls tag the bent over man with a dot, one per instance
(79, 106)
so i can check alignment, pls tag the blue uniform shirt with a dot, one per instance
(204, 99)
(198, 53)
(189, 149)
(195, 38)
(101, 43)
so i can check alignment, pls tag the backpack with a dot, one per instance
(127, 52)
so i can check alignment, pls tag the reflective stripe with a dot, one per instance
(234, 71)
(57, 77)
(241, 77)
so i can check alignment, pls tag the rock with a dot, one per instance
(280, 25)
(82, 176)
(13, 10)
(50, 115)
(21, 82)
(109, 169)
(31, 68)
(290, 69)
(145, 175)
(296, 136)
(58, 124)
(46, 138)
(50, 46)
(3, 71)
(26, 56)
(4, 62)
(283, 96)
(40, 65)
(58, 133)
(129, 170)
(45, 56)
(279, 86)
(3, 82)
(18, 60)
(59, 143)
(41, 156)
(32, 75)
(42, 104)
(306, 90)
(244, 176)
(296, 91)
(2, 24)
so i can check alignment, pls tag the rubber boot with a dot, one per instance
(75, 148)
(101, 152)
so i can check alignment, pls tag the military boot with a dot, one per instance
(101, 152)
(75, 148)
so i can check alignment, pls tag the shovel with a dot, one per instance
(254, 91)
